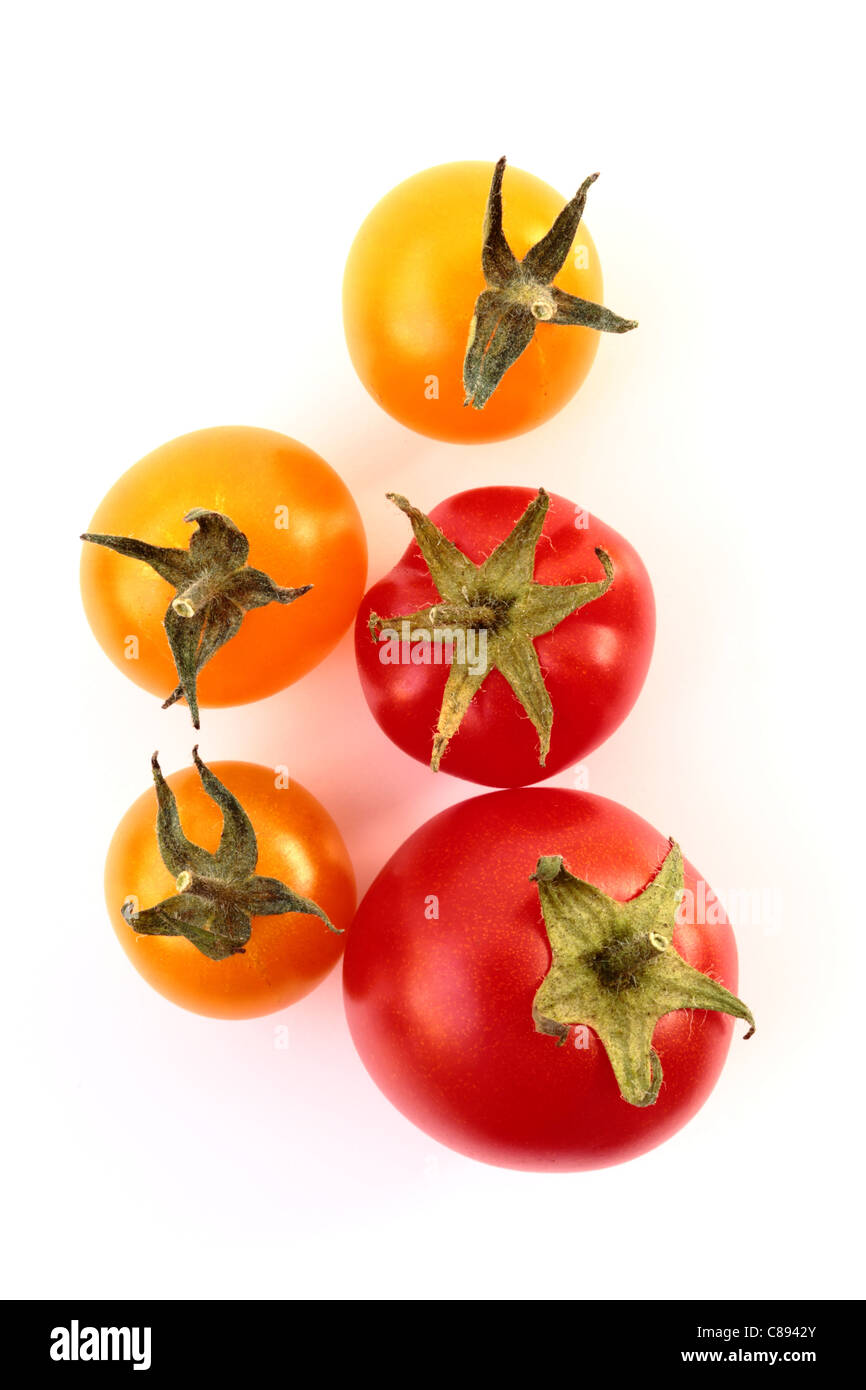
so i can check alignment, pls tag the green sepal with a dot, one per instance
(500, 597)
(214, 589)
(616, 970)
(218, 892)
(217, 936)
(520, 294)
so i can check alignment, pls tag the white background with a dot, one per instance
(181, 185)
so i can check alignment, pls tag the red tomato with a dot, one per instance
(589, 666)
(446, 956)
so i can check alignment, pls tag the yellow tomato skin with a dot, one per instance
(410, 285)
(286, 956)
(261, 480)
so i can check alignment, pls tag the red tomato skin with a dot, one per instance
(594, 662)
(440, 1010)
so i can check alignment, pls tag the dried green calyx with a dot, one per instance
(215, 588)
(501, 604)
(616, 970)
(520, 294)
(217, 893)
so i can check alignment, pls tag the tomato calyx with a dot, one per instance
(214, 589)
(217, 894)
(501, 604)
(615, 969)
(520, 294)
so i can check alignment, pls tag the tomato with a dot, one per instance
(278, 958)
(557, 631)
(411, 289)
(302, 528)
(456, 959)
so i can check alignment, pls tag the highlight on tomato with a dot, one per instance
(511, 638)
(539, 980)
(471, 301)
(223, 566)
(229, 888)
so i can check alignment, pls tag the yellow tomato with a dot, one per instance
(411, 282)
(302, 525)
(286, 955)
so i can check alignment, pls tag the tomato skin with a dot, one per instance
(287, 955)
(411, 281)
(594, 662)
(246, 473)
(440, 1009)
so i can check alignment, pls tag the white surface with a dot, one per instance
(182, 183)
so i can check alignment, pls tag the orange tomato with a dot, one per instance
(286, 956)
(411, 281)
(303, 528)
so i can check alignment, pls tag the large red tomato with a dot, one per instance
(462, 972)
(558, 620)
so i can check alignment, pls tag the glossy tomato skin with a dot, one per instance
(440, 1007)
(409, 290)
(287, 955)
(258, 478)
(594, 662)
